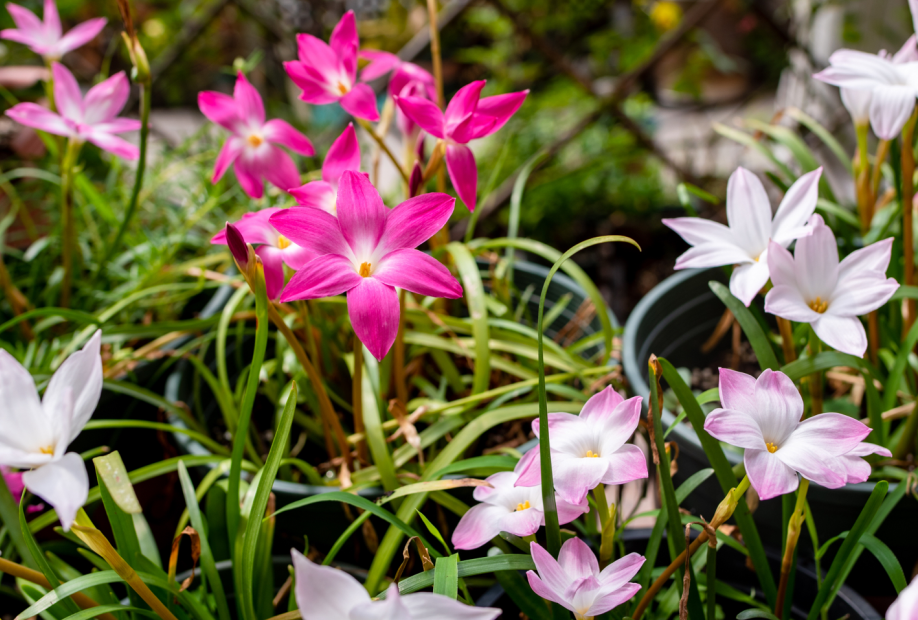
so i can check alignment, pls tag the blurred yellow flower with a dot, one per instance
(666, 15)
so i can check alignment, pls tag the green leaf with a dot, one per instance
(113, 476)
(9, 516)
(823, 134)
(71, 315)
(42, 561)
(470, 568)
(754, 334)
(841, 213)
(94, 612)
(749, 141)
(430, 486)
(755, 613)
(433, 530)
(201, 438)
(517, 588)
(692, 483)
(374, 409)
(478, 311)
(880, 551)
(502, 463)
(446, 576)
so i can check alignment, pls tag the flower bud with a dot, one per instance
(416, 180)
(238, 247)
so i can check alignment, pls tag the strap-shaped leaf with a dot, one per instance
(754, 333)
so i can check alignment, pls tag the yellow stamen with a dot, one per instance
(365, 270)
(283, 242)
(818, 305)
(255, 141)
(771, 447)
(524, 506)
(342, 88)
(46, 450)
(592, 455)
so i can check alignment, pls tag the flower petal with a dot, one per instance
(863, 293)
(25, 20)
(105, 100)
(360, 102)
(416, 220)
(779, 406)
(478, 526)
(529, 469)
(272, 258)
(323, 592)
(380, 64)
(344, 154)
(374, 310)
(858, 70)
(219, 108)
(621, 571)
(736, 428)
(427, 605)
(22, 420)
(37, 117)
(550, 571)
(781, 266)
(747, 280)
(785, 301)
(81, 373)
(80, 35)
(737, 390)
(462, 105)
(281, 132)
(62, 483)
(795, 209)
(316, 194)
(522, 523)
(501, 108)
(248, 102)
(577, 560)
(314, 84)
(391, 607)
(748, 211)
(538, 586)
(463, 172)
(312, 229)
(277, 167)
(361, 212)
(423, 112)
(344, 42)
(568, 511)
(602, 404)
(575, 477)
(890, 107)
(114, 145)
(247, 173)
(618, 425)
(229, 152)
(769, 476)
(813, 463)
(844, 333)
(610, 600)
(857, 102)
(52, 19)
(712, 255)
(874, 257)
(324, 276)
(67, 95)
(835, 433)
(699, 231)
(254, 228)
(625, 464)
(419, 273)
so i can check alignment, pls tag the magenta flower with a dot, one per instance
(906, 606)
(93, 118)
(764, 416)
(274, 249)
(744, 242)
(408, 80)
(253, 148)
(344, 154)
(467, 118)
(589, 449)
(327, 72)
(506, 507)
(856, 468)
(46, 37)
(366, 252)
(575, 582)
(814, 287)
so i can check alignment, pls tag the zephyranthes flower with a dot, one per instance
(744, 242)
(366, 252)
(764, 416)
(93, 118)
(505, 507)
(34, 434)
(274, 249)
(326, 593)
(906, 606)
(856, 468)
(408, 80)
(46, 37)
(253, 148)
(575, 582)
(327, 72)
(589, 449)
(814, 287)
(467, 118)
(344, 154)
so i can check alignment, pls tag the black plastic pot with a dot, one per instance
(672, 321)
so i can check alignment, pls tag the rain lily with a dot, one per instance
(467, 118)
(858, 102)
(344, 154)
(408, 80)
(505, 507)
(764, 416)
(253, 146)
(34, 434)
(327, 72)
(13, 481)
(589, 449)
(575, 582)
(275, 250)
(93, 118)
(812, 286)
(46, 37)
(366, 252)
(858, 470)
(326, 593)
(906, 606)
(744, 242)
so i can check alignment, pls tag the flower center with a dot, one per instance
(46, 450)
(771, 447)
(523, 506)
(818, 305)
(283, 242)
(342, 88)
(365, 270)
(255, 141)
(591, 455)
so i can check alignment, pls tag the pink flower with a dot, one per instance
(344, 154)
(93, 118)
(326, 593)
(813, 287)
(763, 416)
(906, 606)
(508, 508)
(45, 37)
(408, 80)
(744, 242)
(575, 582)
(857, 469)
(366, 252)
(275, 249)
(252, 149)
(13, 481)
(589, 449)
(327, 72)
(467, 118)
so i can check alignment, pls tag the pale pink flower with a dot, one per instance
(812, 286)
(589, 449)
(506, 507)
(906, 606)
(467, 118)
(327, 72)
(764, 416)
(274, 249)
(344, 154)
(253, 146)
(856, 468)
(326, 593)
(575, 582)
(366, 252)
(46, 37)
(93, 118)
(744, 242)
(35, 433)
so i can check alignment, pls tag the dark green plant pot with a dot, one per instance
(673, 321)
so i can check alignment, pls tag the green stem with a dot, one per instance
(711, 573)
(794, 526)
(599, 496)
(68, 229)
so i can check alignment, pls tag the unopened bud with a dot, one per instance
(238, 247)
(420, 151)
(724, 510)
(415, 181)
(141, 71)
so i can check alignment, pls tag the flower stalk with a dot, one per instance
(908, 209)
(68, 228)
(794, 527)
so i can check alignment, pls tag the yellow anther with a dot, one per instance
(46, 450)
(283, 242)
(365, 270)
(818, 305)
(342, 88)
(592, 455)
(771, 447)
(255, 140)
(523, 506)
